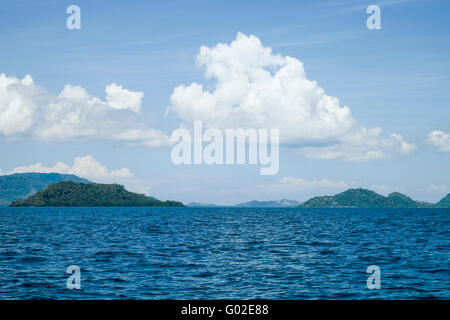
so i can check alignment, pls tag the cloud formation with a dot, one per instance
(300, 184)
(119, 98)
(254, 88)
(440, 140)
(73, 114)
(442, 188)
(362, 146)
(85, 167)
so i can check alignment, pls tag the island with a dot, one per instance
(75, 194)
(364, 198)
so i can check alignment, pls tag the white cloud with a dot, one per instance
(297, 188)
(149, 137)
(363, 146)
(442, 189)
(440, 140)
(17, 104)
(73, 114)
(300, 184)
(85, 167)
(120, 98)
(255, 88)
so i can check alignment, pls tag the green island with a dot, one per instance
(75, 194)
(363, 198)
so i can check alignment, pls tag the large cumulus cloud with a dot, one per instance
(252, 87)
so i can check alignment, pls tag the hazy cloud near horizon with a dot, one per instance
(85, 167)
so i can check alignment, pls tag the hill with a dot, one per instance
(363, 198)
(72, 194)
(399, 200)
(21, 185)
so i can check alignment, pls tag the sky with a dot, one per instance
(355, 107)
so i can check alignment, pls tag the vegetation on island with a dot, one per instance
(73, 194)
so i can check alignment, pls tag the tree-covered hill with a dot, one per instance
(399, 200)
(72, 194)
(21, 185)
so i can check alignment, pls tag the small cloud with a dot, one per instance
(440, 140)
(292, 184)
(149, 137)
(442, 189)
(362, 145)
(119, 98)
(302, 189)
(300, 183)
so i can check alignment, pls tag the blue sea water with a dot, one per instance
(224, 253)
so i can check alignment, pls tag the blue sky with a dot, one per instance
(396, 78)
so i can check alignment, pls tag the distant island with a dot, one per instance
(200, 205)
(74, 194)
(363, 198)
(18, 186)
(283, 203)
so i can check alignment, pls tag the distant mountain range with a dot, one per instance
(269, 204)
(73, 194)
(251, 204)
(21, 185)
(199, 204)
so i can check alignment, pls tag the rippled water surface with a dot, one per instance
(224, 253)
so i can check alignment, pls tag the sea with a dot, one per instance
(224, 253)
